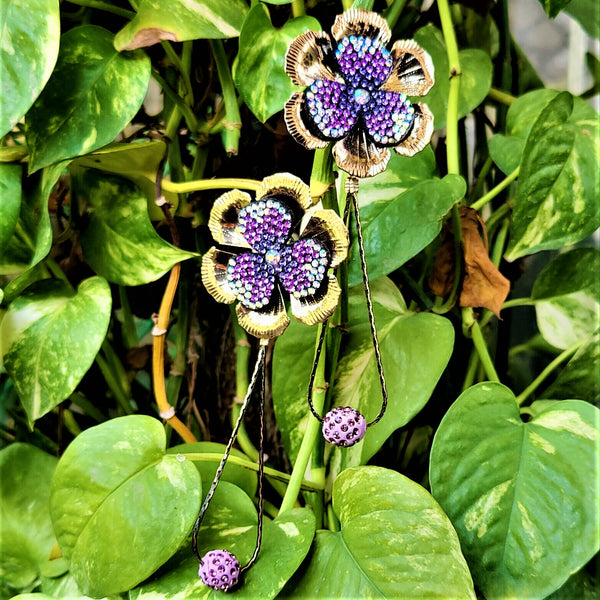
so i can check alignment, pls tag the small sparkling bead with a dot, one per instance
(361, 96)
(219, 570)
(344, 426)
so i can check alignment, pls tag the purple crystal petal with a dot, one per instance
(265, 224)
(251, 278)
(330, 108)
(364, 63)
(388, 117)
(302, 267)
(219, 570)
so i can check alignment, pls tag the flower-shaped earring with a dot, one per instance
(264, 255)
(356, 98)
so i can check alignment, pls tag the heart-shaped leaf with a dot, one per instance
(395, 542)
(29, 40)
(230, 523)
(137, 162)
(579, 378)
(26, 534)
(558, 188)
(415, 350)
(475, 76)
(243, 478)
(49, 338)
(93, 93)
(516, 492)
(260, 68)
(119, 241)
(181, 20)
(399, 223)
(567, 295)
(116, 493)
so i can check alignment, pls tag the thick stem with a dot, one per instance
(500, 96)
(394, 11)
(471, 323)
(209, 184)
(298, 8)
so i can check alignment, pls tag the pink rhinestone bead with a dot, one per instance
(344, 426)
(219, 570)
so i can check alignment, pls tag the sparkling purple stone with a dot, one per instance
(219, 570)
(344, 426)
(303, 266)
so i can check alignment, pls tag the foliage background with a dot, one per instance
(482, 479)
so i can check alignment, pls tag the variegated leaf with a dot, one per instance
(29, 40)
(520, 495)
(49, 338)
(93, 93)
(181, 20)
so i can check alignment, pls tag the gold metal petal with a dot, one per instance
(287, 185)
(311, 311)
(293, 119)
(223, 218)
(413, 72)
(264, 325)
(214, 275)
(420, 134)
(311, 56)
(359, 22)
(359, 157)
(327, 228)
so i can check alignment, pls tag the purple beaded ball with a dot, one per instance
(219, 570)
(344, 426)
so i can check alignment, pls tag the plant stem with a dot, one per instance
(549, 368)
(310, 435)
(392, 14)
(452, 145)
(471, 323)
(113, 384)
(471, 371)
(181, 67)
(479, 204)
(186, 187)
(298, 8)
(246, 464)
(518, 302)
(180, 106)
(232, 122)
(105, 6)
(500, 96)
(129, 333)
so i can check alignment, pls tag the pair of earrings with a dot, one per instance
(356, 98)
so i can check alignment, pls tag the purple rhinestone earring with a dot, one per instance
(262, 256)
(356, 98)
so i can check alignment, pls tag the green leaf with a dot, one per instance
(567, 295)
(586, 13)
(121, 506)
(243, 478)
(556, 199)
(50, 336)
(181, 20)
(230, 523)
(29, 43)
(553, 7)
(259, 72)
(93, 93)
(516, 492)
(26, 534)
(32, 237)
(119, 241)
(138, 162)
(415, 350)
(417, 346)
(579, 378)
(66, 588)
(10, 192)
(475, 78)
(395, 542)
(398, 221)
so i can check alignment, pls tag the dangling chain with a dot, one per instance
(351, 189)
(259, 370)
